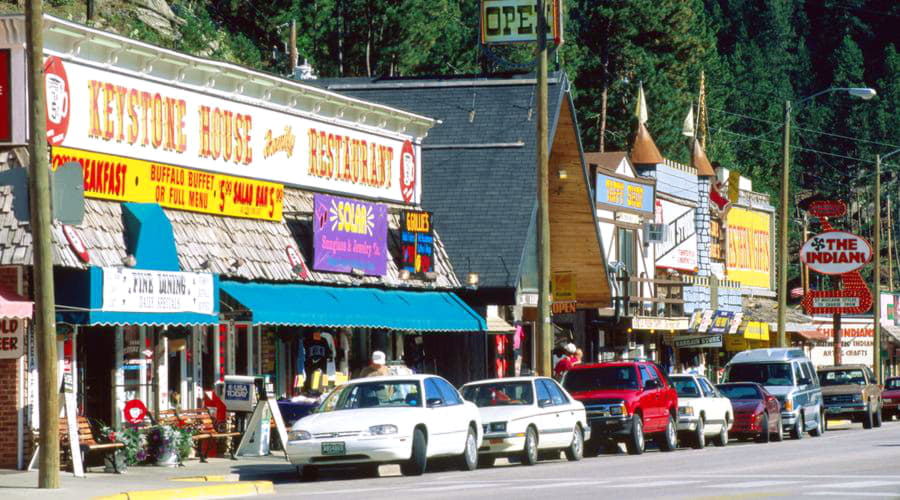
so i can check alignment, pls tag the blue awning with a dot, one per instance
(325, 306)
(79, 298)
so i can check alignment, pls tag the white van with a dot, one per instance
(789, 376)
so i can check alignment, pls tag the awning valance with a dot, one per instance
(80, 298)
(325, 306)
(13, 305)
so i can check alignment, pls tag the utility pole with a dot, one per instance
(294, 56)
(783, 224)
(39, 186)
(890, 246)
(805, 268)
(544, 330)
(876, 316)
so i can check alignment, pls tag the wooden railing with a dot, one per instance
(666, 297)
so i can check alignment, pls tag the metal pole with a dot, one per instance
(890, 244)
(39, 185)
(836, 330)
(783, 223)
(876, 316)
(544, 328)
(805, 269)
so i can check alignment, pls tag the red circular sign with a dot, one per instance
(76, 243)
(408, 172)
(58, 102)
(135, 411)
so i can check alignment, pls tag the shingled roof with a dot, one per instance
(479, 175)
(205, 243)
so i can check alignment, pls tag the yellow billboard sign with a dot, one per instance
(564, 287)
(748, 259)
(116, 178)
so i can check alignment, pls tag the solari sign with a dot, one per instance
(100, 110)
(835, 252)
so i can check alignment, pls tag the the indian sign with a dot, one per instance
(99, 110)
(118, 178)
(618, 193)
(349, 235)
(835, 252)
(139, 290)
(748, 258)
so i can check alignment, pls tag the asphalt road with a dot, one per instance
(845, 463)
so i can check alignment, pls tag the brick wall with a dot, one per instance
(9, 402)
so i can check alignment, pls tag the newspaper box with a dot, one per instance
(238, 393)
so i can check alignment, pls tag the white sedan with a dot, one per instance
(702, 411)
(524, 416)
(379, 420)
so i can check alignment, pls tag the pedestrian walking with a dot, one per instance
(567, 362)
(377, 366)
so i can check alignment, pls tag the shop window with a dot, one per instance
(627, 253)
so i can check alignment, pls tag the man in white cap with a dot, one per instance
(567, 362)
(377, 367)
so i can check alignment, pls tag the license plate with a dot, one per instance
(331, 449)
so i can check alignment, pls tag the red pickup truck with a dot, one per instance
(625, 401)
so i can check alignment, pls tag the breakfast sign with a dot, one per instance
(100, 110)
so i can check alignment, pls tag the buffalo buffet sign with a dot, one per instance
(138, 290)
(349, 236)
(99, 110)
(417, 241)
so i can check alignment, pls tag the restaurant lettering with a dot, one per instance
(132, 290)
(350, 160)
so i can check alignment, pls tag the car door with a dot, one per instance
(456, 413)
(806, 394)
(558, 420)
(439, 426)
(546, 419)
(567, 411)
(650, 400)
(713, 405)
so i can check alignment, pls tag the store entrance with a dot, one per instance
(96, 355)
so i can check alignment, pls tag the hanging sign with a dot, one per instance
(117, 178)
(296, 262)
(95, 109)
(139, 290)
(135, 411)
(835, 252)
(417, 241)
(516, 21)
(720, 321)
(76, 243)
(563, 286)
(349, 235)
(12, 338)
(629, 194)
(698, 341)
(748, 257)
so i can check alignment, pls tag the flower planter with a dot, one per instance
(168, 458)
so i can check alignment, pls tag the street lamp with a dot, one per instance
(864, 93)
(876, 331)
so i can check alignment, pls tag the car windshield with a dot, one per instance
(393, 394)
(686, 387)
(601, 378)
(761, 373)
(892, 383)
(842, 377)
(499, 394)
(739, 391)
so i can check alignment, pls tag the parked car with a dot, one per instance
(394, 419)
(788, 375)
(757, 414)
(851, 391)
(523, 416)
(702, 411)
(890, 407)
(625, 401)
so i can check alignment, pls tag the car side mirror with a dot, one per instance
(651, 385)
(805, 381)
(435, 402)
(545, 403)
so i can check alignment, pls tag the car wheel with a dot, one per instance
(722, 438)
(699, 439)
(486, 461)
(867, 419)
(877, 418)
(469, 459)
(575, 451)
(797, 431)
(820, 426)
(418, 459)
(669, 439)
(530, 453)
(779, 432)
(308, 472)
(635, 443)
(765, 434)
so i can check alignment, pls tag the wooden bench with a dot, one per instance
(199, 419)
(86, 441)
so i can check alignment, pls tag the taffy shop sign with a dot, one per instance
(349, 234)
(93, 109)
(836, 252)
(12, 338)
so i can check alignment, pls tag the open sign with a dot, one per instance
(12, 338)
(836, 252)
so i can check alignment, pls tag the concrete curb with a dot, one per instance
(233, 478)
(240, 489)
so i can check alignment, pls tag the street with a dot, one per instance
(845, 463)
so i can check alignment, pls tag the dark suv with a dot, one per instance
(850, 391)
(624, 401)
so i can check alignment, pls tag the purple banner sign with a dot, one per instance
(349, 234)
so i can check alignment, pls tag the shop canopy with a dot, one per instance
(14, 306)
(325, 306)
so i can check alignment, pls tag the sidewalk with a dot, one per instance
(18, 484)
